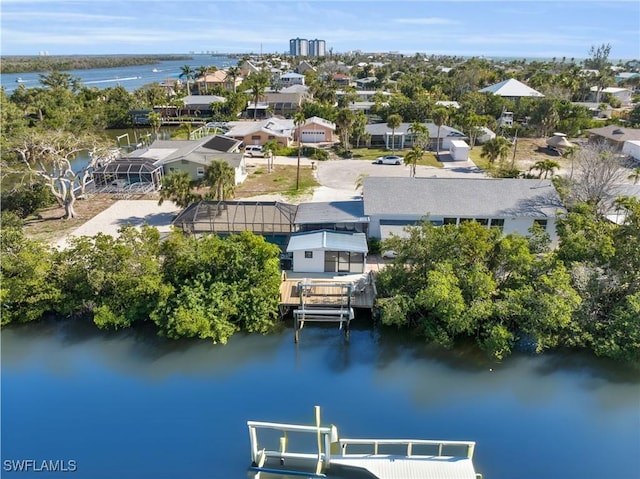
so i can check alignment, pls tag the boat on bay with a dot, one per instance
(318, 451)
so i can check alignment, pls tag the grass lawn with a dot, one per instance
(370, 154)
(528, 152)
(282, 180)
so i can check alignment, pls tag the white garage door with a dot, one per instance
(312, 136)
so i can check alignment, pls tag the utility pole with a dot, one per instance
(515, 147)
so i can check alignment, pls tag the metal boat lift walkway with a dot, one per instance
(381, 458)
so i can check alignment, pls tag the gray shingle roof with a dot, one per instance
(331, 212)
(460, 197)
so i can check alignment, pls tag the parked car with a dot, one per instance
(254, 150)
(388, 160)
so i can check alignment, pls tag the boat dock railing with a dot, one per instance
(327, 434)
(411, 447)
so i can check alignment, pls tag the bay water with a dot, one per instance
(129, 404)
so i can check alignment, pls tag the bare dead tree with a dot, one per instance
(599, 169)
(48, 155)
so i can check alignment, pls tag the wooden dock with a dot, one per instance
(327, 292)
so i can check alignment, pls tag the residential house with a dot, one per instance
(193, 156)
(513, 205)
(622, 94)
(512, 89)
(366, 83)
(282, 102)
(259, 132)
(291, 78)
(305, 66)
(218, 78)
(613, 135)
(328, 251)
(401, 137)
(341, 79)
(200, 105)
(316, 130)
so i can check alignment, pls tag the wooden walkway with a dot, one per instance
(327, 293)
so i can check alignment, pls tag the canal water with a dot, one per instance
(129, 404)
(131, 78)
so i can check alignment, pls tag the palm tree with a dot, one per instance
(496, 148)
(440, 117)
(258, 83)
(413, 157)
(234, 73)
(344, 120)
(393, 122)
(176, 186)
(187, 72)
(546, 167)
(202, 73)
(420, 134)
(220, 177)
(299, 120)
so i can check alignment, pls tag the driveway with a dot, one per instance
(343, 174)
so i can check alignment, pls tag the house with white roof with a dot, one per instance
(622, 94)
(382, 135)
(512, 89)
(291, 78)
(327, 251)
(513, 205)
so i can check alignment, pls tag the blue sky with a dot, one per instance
(514, 28)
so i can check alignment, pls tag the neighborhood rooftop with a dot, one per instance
(463, 197)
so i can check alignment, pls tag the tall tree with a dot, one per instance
(48, 155)
(344, 121)
(599, 60)
(393, 122)
(299, 120)
(413, 157)
(440, 117)
(234, 73)
(257, 83)
(598, 171)
(187, 73)
(220, 177)
(420, 134)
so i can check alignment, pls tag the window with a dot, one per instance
(497, 223)
(483, 221)
(308, 254)
(255, 137)
(200, 171)
(450, 221)
(541, 223)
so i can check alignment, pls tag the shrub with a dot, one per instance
(26, 199)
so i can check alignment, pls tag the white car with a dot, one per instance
(388, 160)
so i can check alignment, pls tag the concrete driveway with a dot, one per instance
(342, 174)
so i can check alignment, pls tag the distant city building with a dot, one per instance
(317, 48)
(301, 47)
